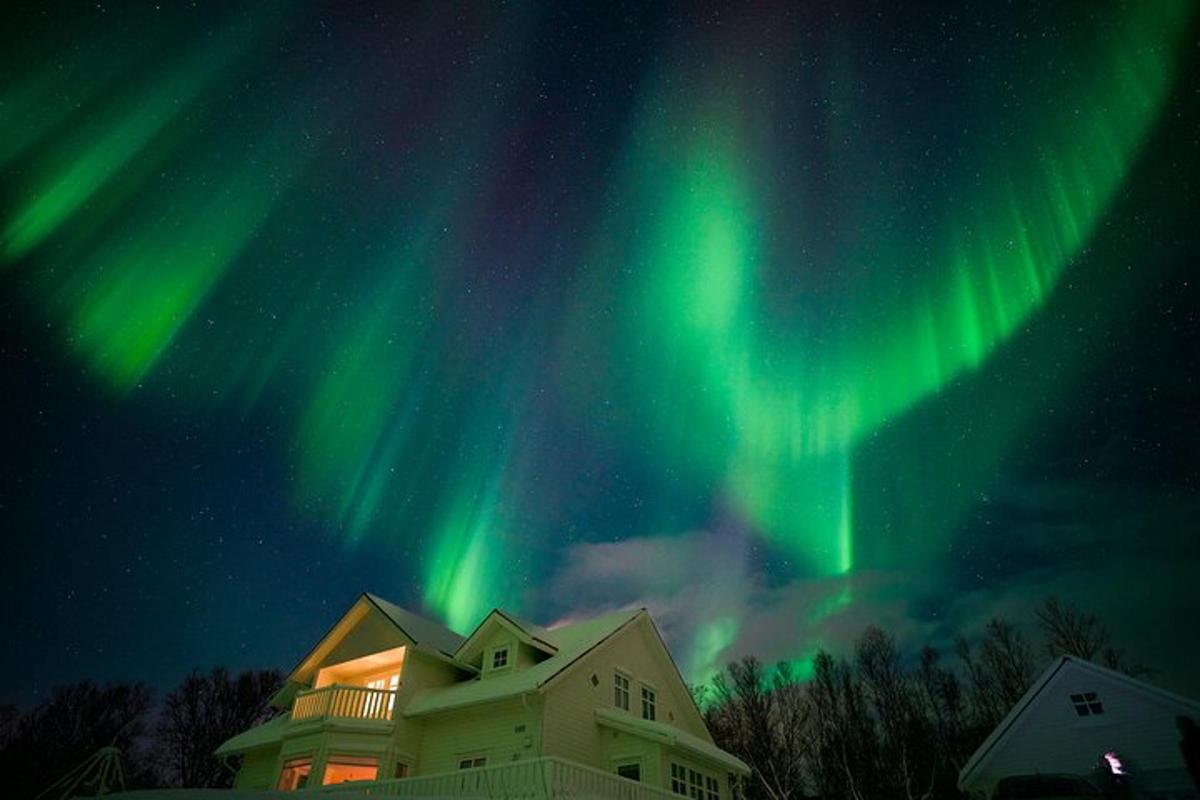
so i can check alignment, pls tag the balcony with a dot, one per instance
(536, 779)
(344, 702)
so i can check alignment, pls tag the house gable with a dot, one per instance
(499, 629)
(638, 652)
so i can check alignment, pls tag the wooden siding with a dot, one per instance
(571, 731)
(1051, 737)
(258, 769)
(489, 729)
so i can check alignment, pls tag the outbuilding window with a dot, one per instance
(1087, 704)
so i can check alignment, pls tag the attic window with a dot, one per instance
(649, 704)
(620, 691)
(1087, 704)
(500, 658)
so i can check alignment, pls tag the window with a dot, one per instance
(374, 704)
(294, 774)
(1087, 704)
(649, 703)
(632, 771)
(713, 787)
(620, 691)
(472, 762)
(401, 770)
(695, 785)
(500, 657)
(678, 779)
(340, 769)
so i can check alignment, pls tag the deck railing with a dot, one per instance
(350, 702)
(536, 779)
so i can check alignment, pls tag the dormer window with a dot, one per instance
(1087, 704)
(500, 657)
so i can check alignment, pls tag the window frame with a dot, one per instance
(472, 761)
(623, 763)
(649, 703)
(306, 759)
(1086, 704)
(621, 685)
(349, 759)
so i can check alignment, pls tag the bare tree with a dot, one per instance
(200, 714)
(44, 743)
(1069, 631)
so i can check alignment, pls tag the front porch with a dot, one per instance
(545, 778)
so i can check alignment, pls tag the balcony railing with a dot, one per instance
(536, 779)
(347, 702)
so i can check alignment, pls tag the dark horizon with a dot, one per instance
(779, 323)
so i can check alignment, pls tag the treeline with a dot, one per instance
(879, 724)
(166, 744)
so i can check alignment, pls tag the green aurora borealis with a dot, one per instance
(471, 287)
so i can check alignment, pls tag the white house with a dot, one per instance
(1075, 714)
(394, 703)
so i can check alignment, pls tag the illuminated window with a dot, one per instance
(472, 762)
(649, 703)
(341, 769)
(294, 774)
(374, 705)
(631, 771)
(620, 691)
(500, 658)
(1087, 704)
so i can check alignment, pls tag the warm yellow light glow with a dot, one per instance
(340, 769)
(368, 670)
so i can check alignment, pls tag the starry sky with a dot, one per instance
(778, 319)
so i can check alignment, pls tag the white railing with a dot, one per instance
(351, 702)
(536, 779)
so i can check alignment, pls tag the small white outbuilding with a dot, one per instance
(1075, 714)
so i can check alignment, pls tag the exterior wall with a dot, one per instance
(421, 671)
(258, 769)
(571, 730)
(489, 729)
(618, 747)
(1052, 738)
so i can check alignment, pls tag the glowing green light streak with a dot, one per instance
(96, 155)
(779, 416)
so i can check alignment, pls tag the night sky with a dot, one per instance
(777, 319)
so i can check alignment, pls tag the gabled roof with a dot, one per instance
(571, 642)
(1011, 722)
(425, 635)
(535, 636)
(421, 630)
(671, 736)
